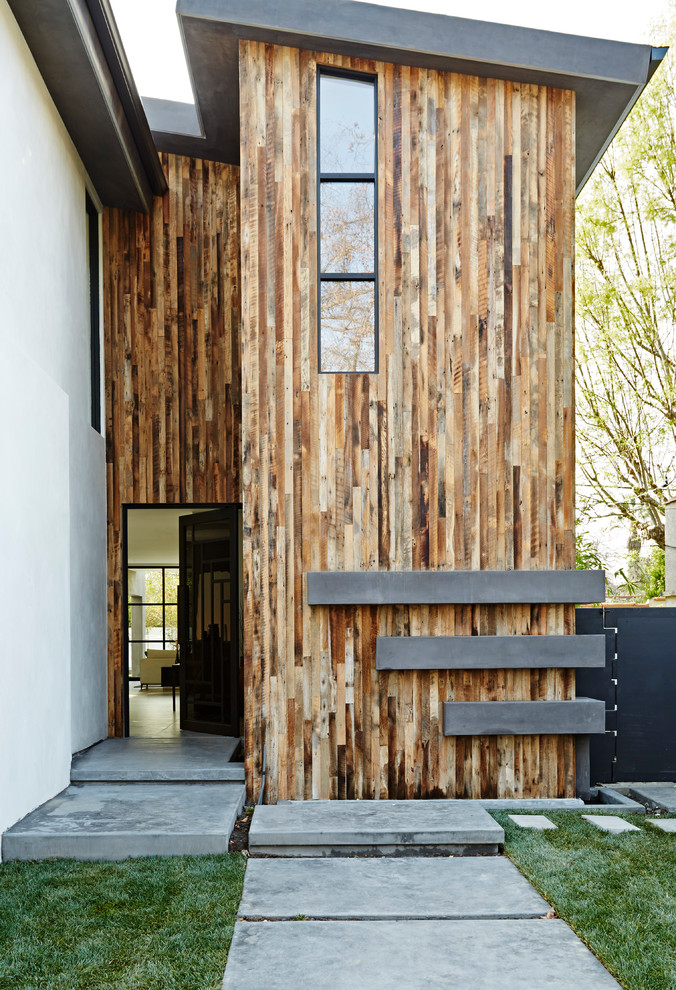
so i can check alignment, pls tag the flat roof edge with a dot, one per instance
(657, 56)
(116, 57)
(411, 32)
(80, 58)
(606, 76)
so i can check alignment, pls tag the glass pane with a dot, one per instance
(154, 634)
(347, 226)
(171, 622)
(348, 339)
(153, 583)
(346, 122)
(171, 584)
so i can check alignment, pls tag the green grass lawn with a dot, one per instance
(618, 892)
(146, 924)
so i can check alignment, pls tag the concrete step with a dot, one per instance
(662, 796)
(387, 889)
(122, 821)
(184, 758)
(374, 828)
(417, 955)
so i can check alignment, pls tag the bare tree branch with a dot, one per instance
(626, 318)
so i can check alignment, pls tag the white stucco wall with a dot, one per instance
(52, 463)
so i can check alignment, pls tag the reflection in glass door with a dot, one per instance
(151, 611)
(208, 621)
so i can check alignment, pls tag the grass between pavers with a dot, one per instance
(143, 924)
(617, 892)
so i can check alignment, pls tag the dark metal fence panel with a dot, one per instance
(641, 681)
(646, 692)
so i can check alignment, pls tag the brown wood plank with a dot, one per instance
(172, 355)
(457, 454)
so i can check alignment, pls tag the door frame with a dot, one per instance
(124, 640)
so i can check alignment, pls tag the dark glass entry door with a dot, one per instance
(208, 621)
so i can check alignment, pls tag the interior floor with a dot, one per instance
(151, 714)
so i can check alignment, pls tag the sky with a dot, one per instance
(153, 44)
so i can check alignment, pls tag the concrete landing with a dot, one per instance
(387, 889)
(417, 955)
(184, 758)
(373, 828)
(659, 795)
(120, 821)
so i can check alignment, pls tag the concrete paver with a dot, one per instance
(665, 824)
(323, 919)
(120, 821)
(400, 887)
(611, 823)
(415, 955)
(539, 822)
(306, 828)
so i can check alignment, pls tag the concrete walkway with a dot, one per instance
(138, 797)
(376, 920)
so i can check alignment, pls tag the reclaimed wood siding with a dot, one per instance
(171, 284)
(457, 454)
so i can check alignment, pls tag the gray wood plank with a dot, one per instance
(524, 718)
(488, 652)
(453, 587)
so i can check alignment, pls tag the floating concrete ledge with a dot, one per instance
(581, 716)
(454, 587)
(488, 652)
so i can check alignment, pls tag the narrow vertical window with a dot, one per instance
(347, 205)
(94, 327)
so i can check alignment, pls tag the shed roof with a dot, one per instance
(607, 76)
(77, 48)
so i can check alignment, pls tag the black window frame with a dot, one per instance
(94, 310)
(164, 604)
(329, 177)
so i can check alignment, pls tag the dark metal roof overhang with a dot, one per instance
(607, 76)
(79, 54)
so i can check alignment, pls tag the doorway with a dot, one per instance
(182, 622)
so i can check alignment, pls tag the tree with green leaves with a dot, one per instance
(626, 317)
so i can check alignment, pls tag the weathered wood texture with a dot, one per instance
(458, 454)
(171, 284)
